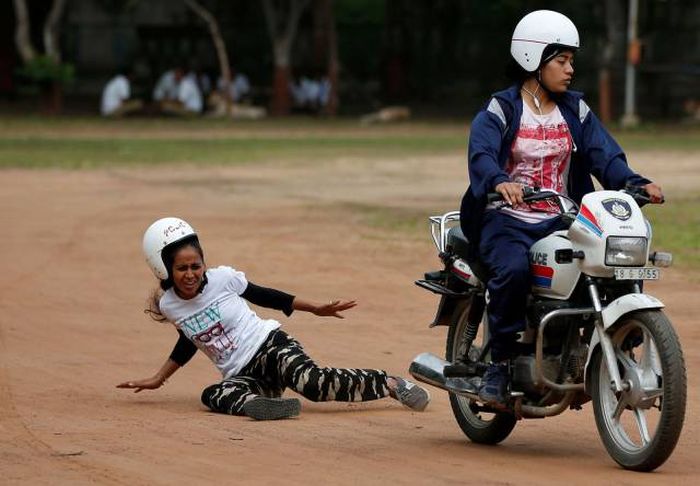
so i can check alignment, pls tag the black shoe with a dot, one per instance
(494, 386)
(264, 408)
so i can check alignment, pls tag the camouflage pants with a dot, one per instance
(280, 363)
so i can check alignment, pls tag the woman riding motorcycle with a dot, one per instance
(536, 133)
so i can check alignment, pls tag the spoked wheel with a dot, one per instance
(481, 427)
(640, 426)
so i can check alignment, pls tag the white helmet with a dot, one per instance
(160, 234)
(536, 31)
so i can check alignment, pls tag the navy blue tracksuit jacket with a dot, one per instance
(492, 132)
(502, 242)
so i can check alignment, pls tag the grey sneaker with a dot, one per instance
(410, 394)
(264, 408)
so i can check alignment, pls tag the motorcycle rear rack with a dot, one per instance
(440, 225)
(438, 288)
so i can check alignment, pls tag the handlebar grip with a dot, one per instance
(528, 191)
(493, 197)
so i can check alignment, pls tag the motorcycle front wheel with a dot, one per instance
(640, 426)
(479, 426)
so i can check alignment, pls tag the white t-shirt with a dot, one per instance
(114, 94)
(189, 95)
(238, 88)
(219, 321)
(166, 87)
(540, 157)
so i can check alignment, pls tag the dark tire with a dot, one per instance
(641, 434)
(480, 427)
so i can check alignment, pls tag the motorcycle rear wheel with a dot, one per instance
(480, 427)
(640, 427)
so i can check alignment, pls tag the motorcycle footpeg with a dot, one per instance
(461, 386)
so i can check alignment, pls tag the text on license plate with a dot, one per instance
(637, 273)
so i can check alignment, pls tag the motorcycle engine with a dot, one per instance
(524, 373)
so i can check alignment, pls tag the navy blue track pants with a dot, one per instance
(504, 246)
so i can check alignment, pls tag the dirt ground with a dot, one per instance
(73, 289)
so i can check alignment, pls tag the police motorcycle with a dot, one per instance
(591, 334)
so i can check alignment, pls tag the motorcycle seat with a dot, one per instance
(459, 245)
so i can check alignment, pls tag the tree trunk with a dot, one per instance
(281, 103)
(328, 39)
(52, 98)
(614, 21)
(282, 32)
(22, 40)
(51, 31)
(219, 45)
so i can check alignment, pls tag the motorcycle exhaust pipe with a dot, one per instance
(428, 368)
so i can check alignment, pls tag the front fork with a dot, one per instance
(604, 338)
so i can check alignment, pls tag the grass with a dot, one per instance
(75, 143)
(676, 226)
(74, 153)
(409, 223)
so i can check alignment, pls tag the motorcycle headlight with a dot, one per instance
(625, 251)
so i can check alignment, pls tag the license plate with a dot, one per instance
(646, 273)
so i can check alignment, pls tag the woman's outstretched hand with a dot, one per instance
(145, 384)
(333, 308)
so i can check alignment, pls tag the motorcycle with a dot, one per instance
(591, 334)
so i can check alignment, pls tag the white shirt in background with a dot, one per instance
(114, 94)
(238, 88)
(189, 95)
(166, 87)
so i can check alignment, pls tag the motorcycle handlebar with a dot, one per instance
(640, 195)
(530, 194)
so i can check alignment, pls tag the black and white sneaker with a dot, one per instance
(410, 394)
(264, 408)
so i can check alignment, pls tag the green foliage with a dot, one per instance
(677, 229)
(43, 69)
(189, 144)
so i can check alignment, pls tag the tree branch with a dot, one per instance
(22, 41)
(219, 43)
(297, 7)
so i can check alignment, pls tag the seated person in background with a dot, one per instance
(234, 100)
(310, 93)
(166, 86)
(189, 98)
(116, 96)
(203, 82)
(238, 89)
